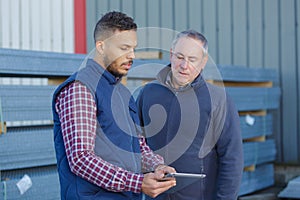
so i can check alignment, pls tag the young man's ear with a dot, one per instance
(99, 47)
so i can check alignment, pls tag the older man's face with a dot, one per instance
(187, 61)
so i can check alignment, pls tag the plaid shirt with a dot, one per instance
(76, 108)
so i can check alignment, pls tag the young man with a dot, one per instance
(193, 124)
(100, 151)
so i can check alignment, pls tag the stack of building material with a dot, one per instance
(263, 125)
(261, 177)
(27, 155)
(26, 147)
(26, 144)
(259, 152)
(292, 190)
(30, 183)
(26, 102)
(254, 98)
(256, 95)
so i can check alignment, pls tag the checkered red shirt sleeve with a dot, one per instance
(77, 112)
(150, 160)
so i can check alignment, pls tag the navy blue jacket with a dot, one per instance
(196, 129)
(116, 133)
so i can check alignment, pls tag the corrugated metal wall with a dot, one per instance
(46, 25)
(37, 25)
(252, 33)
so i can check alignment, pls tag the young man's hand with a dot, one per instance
(154, 184)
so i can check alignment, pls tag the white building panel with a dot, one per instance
(25, 24)
(46, 25)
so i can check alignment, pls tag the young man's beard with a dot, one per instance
(108, 64)
(114, 71)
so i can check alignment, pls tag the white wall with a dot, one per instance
(46, 25)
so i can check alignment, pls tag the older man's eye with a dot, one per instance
(124, 48)
(180, 57)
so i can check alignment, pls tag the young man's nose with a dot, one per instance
(131, 55)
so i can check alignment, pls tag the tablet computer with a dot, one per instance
(184, 175)
(182, 180)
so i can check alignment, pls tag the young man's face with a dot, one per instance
(187, 61)
(118, 52)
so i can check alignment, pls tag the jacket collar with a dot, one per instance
(164, 77)
(100, 71)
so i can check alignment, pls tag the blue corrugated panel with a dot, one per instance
(292, 190)
(144, 69)
(262, 177)
(240, 74)
(263, 125)
(259, 152)
(27, 147)
(26, 102)
(254, 98)
(45, 184)
(38, 63)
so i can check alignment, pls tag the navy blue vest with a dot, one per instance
(116, 140)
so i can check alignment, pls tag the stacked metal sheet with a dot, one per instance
(18, 63)
(292, 190)
(240, 74)
(256, 153)
(261, 177)
(254, 126)
(255, 93)
(254, 101)
(27, 147)
(254, 98)
(27, 155)
(26, 102)
(30, 184)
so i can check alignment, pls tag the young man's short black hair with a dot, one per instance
(112, 21)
